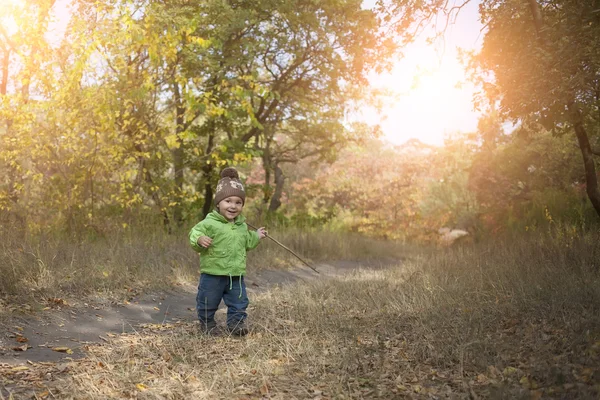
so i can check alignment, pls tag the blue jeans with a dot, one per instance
(213, 288)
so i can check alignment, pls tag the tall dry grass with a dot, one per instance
(57, 266)
(516, 319)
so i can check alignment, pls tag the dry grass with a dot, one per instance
(507, 320)
(54, 267)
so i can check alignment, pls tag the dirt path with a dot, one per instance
(68, 329)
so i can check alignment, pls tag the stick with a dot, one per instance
(288, 249)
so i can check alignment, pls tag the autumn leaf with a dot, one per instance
(63, 350)
(56, 301)
(22, 339)
(264, 389)
(141, 387)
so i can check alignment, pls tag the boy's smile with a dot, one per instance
(230, 207)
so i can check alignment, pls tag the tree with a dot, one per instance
(23, 72)
(540, 62)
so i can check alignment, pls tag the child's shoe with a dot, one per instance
(210, 328)
(238, 330)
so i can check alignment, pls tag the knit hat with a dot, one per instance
(229, 185)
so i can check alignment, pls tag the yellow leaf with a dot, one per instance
(20, 368)
(524, 381)
(61, 349)
(172, 141)
(141, 387)
(105, 274)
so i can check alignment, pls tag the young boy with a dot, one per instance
(222, 239)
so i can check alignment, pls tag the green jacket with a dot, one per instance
(227, 253)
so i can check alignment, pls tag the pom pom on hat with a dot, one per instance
(229, 185)
(230, 172)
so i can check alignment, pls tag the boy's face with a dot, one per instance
(230, 207)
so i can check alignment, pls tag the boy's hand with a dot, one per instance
(262, 232)
(204, 241)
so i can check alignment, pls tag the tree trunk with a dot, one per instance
(5, 64)
(178, 162)
(267, 168)
(591, 179)
(208, 199)
(279, 181)
(537, 16)
(207, 169)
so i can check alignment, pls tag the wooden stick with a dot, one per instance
(288, 249)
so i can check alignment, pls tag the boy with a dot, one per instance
(222, 239)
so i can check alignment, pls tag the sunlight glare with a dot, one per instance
(431, 95)
(8, 10)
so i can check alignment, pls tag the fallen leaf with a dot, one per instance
(63, 350)
(157, 309)
(21, 348)
(56, 301)
(22, 339)
(264, 389)
(141, 387)
(536, 395)
(19, 368)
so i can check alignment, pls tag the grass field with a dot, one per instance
(503, 320)
(38, 268)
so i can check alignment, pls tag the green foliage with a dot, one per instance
(539, 63)
(143, 102)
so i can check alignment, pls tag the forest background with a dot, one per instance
(112, 138)
(119, 130)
